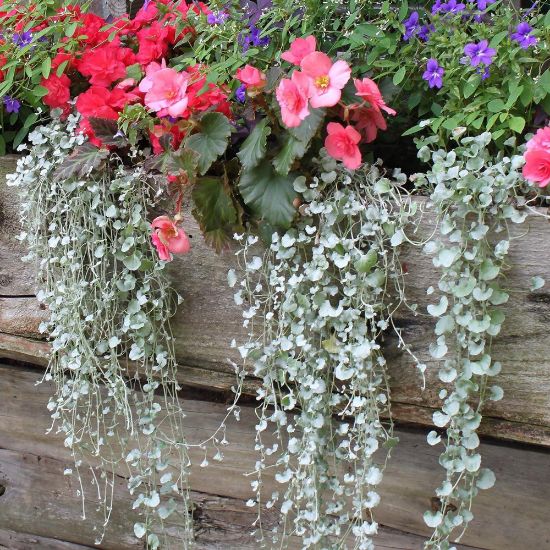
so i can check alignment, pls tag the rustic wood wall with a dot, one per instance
(39, 507)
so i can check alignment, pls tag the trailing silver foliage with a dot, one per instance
(474, 195)
(109, 301)
(317, 305)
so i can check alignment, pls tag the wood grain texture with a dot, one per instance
(511, 516)
(14, 540)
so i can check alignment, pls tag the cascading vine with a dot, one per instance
(112, 359)
(317, 305)
(474, 195)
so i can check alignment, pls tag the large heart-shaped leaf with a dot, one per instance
(254, 146)
(81, 161)
(268, 194)
(211, 141)
(214, 210)
(297, 142)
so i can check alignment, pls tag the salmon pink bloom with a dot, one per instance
(292, 95)
(251, 77)
(299, 49)
(369, 91)
(165, 90)
(168, 238)
(537, 166)
(537, 158)
(327, 79)
(540, 139)
(342, 144)
(369, 120)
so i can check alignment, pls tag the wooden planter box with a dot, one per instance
(39, 507)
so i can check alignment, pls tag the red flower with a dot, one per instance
(200, 99)
(100, 102)
(160, 130)
(58, 92)
(3, 61)
(61, 57)
(153, 42)
(105, 64)
(144, 16)
(91, 25)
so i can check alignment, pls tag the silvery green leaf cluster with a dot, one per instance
(473, 194)
(316, 303)
(109, 301)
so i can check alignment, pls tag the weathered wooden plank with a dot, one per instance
(209, 320)
(35, 352)
(511, 516)
(221, 523)
(14, 540)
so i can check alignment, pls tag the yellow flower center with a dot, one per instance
(171, 94)
(322, 82)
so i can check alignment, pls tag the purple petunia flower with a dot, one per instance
(217, 19)
(240, 93)
(411, 26)
(12, 105)
(22, 39)
(433, 74)
(523, 37)
(436, 8)
(425, 31)
(479, 53)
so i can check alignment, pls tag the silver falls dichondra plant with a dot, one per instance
(112, 359)
(317, 304)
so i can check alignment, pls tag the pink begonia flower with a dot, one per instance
(341, 143)
(327, 78)
(293, 94)
(251, 77)
(169, 238)
(299, 49)
(369, 120)
(537, 166)
(369, 91)
(540, 139)
(165, 90)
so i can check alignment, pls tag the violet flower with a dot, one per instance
(217, 19)
(523, 37)
(436, 8)
(483, 4)
(452, 6)
(484, 72)
(433, 74)
(253, 37)
(479, 53)
(411, 26)
(12, 105)
(425, 31)
(240, 93)
(22, 39)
